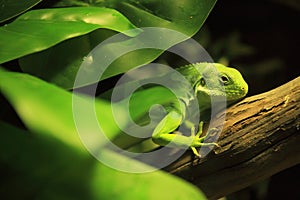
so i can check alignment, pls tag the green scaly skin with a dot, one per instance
(208, 80)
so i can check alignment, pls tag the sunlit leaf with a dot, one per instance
(47, 111)
(61, 63)
(40, 29)
(43, 167)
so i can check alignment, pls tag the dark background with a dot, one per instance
(261, 39)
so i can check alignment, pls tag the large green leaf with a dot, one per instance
(185, 16)
(45, 168)
(47, 109)
(51, 156)
(10, 9)
(60, 63)
(126, 186)
(40, 165)
(40, 29)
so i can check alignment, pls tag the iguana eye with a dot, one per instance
(224, 79)
(202, 82)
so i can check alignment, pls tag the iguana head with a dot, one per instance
(217, 80)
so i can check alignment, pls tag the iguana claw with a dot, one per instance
(198, 141)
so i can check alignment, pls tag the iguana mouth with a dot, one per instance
(222, 95)
(237, 93)
(234, 95)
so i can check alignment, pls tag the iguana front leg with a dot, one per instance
(162, 134)
(198, 141)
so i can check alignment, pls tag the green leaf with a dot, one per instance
(61, 63)
(150, 186)
(40, 165)
(51, 156)
(10, 9)
(47, 109)
(186, 16)
(40, 29)
(45, 168)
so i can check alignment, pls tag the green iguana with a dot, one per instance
(201, 85)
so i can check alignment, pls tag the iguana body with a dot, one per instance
(207, 82)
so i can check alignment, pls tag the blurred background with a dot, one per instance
(261, 39)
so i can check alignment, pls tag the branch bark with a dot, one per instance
(260, 137)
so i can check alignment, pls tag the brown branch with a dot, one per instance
(260, 137)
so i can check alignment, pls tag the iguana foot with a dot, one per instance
(197, 141)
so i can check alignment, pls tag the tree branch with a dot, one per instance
(260, 137)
